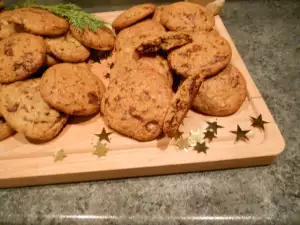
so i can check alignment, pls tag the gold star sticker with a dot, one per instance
(195, 136)
(182, 143)
(258, 122)
(104, 135)
(59, 155)
(213, 126)
(100, 149)
(201, 147)
(177, 135)
(208, 134)
(240, 134)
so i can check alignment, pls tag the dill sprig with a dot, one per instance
(71, 12)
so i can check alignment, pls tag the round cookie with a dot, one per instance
(135, 104)
(130, 36)
(40, 22)
(186, 16)
(206, 55)
(133, 15)
(223, 94)
(20, 56)
(7, 28)
(26, 112)
(180, 104)
(157, 13)
(72, 89)
(103, 39)
(68, 49)
(5, 130)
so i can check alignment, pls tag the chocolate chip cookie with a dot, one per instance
(26, 112)
(68, 49)
(103, 39)
(157, 13)
(7, 28)
(221, 95)
(186, 16)
(40, 22)
(135, 104)
(20, 56)
(180, 104)
(133, 15)
(206, 55)
(72, 89)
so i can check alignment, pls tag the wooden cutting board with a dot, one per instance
(23, 163)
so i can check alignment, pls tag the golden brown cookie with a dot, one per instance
(40, 22)
(133, 15)
(50, 60)
(72, 89)
(135, 104)
(165, 41)
(68, 49)
(103, 39)
(157, 13)
(180, 104)
(26, 112)
(223, 94)
(7, 28)
(130, 36)
(206, 55)
(20, 56)
(186, 16)
(5, 130)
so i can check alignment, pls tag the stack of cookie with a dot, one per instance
(32, 40)
(178, 42)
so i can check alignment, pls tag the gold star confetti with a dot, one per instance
(258, 122)
(208, 134)
(182, 143)
(100, 149)
(240, 134)
(213, 126)
(194, 137)
(59, 155)
(201, 147)
(104, 135)
(177, 135)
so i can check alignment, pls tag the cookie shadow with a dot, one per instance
(81, 119)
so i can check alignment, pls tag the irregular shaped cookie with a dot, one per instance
(186, 16)
(157, 13)
(180, 104)
(40, 22)
(223, 94)
(103, 39)
(135, 104)
(165, 41)
(72, 88)
(130, 36)
(20, 56)
(26, 112)
(206, 55)
(5, 130)
(68, 49)
(133, 15)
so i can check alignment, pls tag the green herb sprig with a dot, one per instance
(73, 13)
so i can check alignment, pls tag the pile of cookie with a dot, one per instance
(44, 76)
(166, 61)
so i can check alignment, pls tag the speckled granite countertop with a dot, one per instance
(267, 35)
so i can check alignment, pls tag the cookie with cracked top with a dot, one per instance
(206, 55)
(221, 95)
